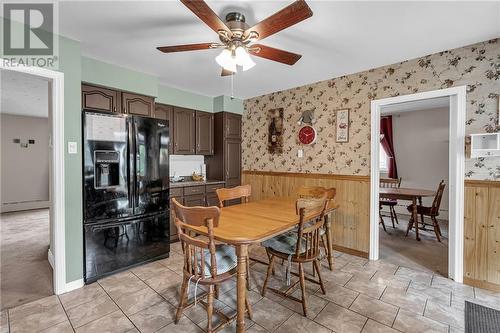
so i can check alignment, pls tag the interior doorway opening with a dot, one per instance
(414, 156)
(456, 97)
(25, 218)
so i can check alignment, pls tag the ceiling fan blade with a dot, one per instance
(225, 72)
(271, 53)
(288, 16)
(185, 47)
(206, 14)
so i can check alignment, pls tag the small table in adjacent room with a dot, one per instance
(410, 194)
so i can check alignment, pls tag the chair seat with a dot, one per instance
(225, 256)
(285, 243)
(388, 202)
(420, 209)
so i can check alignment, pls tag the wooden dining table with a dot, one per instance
(252, 223)
(410, 194)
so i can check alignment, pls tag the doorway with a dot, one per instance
(25, 191)
(456, 158)
(38, 209)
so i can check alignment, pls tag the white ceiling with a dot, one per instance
(24, 94)
(425, 104)
(341, 38)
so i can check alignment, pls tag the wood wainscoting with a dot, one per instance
(482, 234)
(351, 222)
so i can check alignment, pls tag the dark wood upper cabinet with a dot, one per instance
(204, 133)
(137, 104)
(232, 126)
(184, 133)
(100, 99)
(165, 112)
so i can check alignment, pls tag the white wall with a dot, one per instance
(24, 171)
(421, 144)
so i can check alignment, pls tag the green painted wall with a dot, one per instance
(178, 97)
(109, 75)
(226, 103)
(70, 65)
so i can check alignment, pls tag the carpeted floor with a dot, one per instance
(426, 255)
(25, 272)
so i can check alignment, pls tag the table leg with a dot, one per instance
(415, 217)
(241, 286)
(329, 251)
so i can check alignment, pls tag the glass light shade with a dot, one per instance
(243, 59)
(226, 60)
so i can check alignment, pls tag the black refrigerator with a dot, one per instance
(125, 191)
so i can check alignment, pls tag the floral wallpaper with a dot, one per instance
(477, 66)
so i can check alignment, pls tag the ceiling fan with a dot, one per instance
(237, 38)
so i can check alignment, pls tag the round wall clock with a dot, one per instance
(307, 135)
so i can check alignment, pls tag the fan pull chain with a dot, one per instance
(232, 86)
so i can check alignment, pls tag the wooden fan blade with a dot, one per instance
(278, 55)
(288, 16)
(225, 72)
(185, 47)
(206, 14)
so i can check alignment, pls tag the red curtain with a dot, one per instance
(388, 145)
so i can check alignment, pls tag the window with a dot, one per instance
(383, 160)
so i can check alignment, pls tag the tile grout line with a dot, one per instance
(66, 313)
(117, 306)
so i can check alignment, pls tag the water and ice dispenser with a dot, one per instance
(107, 169)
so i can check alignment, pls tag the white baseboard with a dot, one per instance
(50, 258)
(73, 285)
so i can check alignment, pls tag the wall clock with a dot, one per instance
(307, 135)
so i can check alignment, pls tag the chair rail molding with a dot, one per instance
(457, 114)
(58, 203)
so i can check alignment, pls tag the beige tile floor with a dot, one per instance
(26, 274)
(362, 296)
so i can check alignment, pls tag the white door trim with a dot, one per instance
(58, 200)
(457, 97)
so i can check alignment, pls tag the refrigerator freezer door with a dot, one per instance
(151, 173)
(105, 168)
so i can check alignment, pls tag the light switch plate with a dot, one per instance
(72, 148)
(300, 153)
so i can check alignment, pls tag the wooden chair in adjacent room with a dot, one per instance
(242, 193)
(205, 262)
(431, 212)
(301, 247)
(391, 203)
(326, 235)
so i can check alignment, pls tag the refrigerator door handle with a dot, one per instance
(131, 162)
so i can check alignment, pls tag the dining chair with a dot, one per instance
(300, 247)
(391, 203)
(432, 211)
(325, 232)
(205, 262)
(243, 193)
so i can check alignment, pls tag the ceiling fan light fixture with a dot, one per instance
(226, 60)
(243, 59)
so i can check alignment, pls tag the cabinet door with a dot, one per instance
(100, 99)
(137, 104)
(204, 133)
(232, 162)
(194, 200)
(212, 200)
(232, 126)
(165, 112)
(184, 131)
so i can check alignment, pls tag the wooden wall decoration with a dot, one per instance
(275, 135)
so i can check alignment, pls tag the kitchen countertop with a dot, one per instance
(195, 183)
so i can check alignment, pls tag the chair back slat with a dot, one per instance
(239, 192)
(390, 182)
(436, 203)
(197, 248)
(311, 212)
